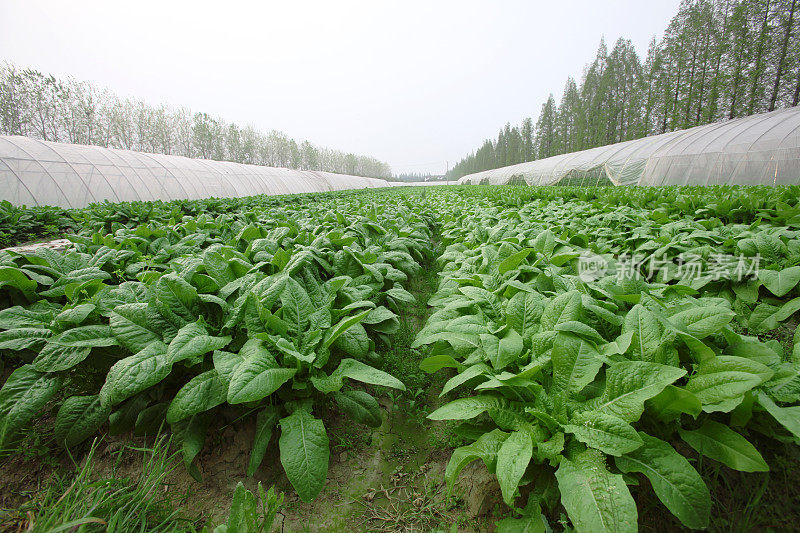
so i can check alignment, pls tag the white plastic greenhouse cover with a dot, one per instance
(761, 149)
(34, 172)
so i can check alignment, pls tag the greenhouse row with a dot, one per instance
(34, 172)
(757, 150)
(761, 149)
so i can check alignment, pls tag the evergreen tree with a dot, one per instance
(527, 140)
(570, 118)
(546, 130)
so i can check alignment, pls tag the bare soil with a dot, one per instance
(395, 482)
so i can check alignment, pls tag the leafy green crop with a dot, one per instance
(20, 224)
(572, 386)
(272, 314)
(199, 314)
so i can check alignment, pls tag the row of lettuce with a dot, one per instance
(569, 381)
(591, 331)
(272, 312)
(20, 224)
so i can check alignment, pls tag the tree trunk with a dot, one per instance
(759, 56)
(720, 52)
(691, 86)
(675, 98)
(782, 57)
(735, 85)
(702, 80)
(647, 108)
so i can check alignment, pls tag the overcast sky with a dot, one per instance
(413, 83)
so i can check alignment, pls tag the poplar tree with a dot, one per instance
(66, 110)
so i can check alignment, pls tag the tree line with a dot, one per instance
(717, 60)
(42, 106)
(410, 177)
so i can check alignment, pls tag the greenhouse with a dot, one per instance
(34, 172)
(761, 149)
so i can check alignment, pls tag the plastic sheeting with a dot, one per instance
(34, 172)
(761, 149)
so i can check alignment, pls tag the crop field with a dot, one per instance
(470, 358)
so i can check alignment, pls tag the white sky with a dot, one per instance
(414, 83)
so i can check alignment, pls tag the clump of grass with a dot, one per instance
(402, 360)
(349, 437)
(81, 501)
(444, 436)
(412, 501)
